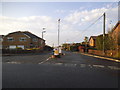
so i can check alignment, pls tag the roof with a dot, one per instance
(1, 36)
(94, 37)
(31, 35)
(116, 25)
(27, 33)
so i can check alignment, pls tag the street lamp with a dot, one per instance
(43, 32)
(58, 33)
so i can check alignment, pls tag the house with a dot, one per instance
(116, 32)
(22, 39)
(116, 35)
(1, 40)
(92, 41)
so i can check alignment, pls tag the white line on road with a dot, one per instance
(44, 61)
(82, 65)
(70, 64)
(114, 67)
(14, 62)
(58, 63)
(101, 66)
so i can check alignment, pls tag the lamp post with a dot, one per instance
(43, 32)
(58, 33)
(58, 30)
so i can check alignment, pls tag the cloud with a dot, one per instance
(24, 23)
(34, 24)
(84, 16)
(82, 19)
(60, 11)
(71, 26)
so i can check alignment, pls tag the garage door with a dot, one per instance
(12, 47)
(21, 46)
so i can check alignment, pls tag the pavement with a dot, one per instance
(72, 70)
(106, 58)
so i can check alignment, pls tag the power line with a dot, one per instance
(90, 25)
(96, 20)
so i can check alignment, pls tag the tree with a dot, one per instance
(109, 42)
(86, 39)
(75, 46)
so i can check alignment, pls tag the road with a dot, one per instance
(72, 70)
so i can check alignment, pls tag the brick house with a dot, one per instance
(22, 39)
(1, 40)
(92, 41)
(116, 35)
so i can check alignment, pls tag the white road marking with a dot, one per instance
(14, 62)
(58, 63)
(82, 65)
(70, 64)
(101, 66)
(90, 66)
(45, 60)
(114, 67)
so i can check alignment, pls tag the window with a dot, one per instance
(35, 39)
(22, 39)
(10, 38)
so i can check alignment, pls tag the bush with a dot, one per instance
(117, 55)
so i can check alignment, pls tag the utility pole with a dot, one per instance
(58, 33)
(104, 33)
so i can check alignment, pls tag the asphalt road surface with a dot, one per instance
(72, 70)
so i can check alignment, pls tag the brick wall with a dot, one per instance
(109, 53)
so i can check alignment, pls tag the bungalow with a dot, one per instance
(22, 39)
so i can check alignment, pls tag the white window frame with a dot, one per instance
(10, 39)
(35, 40)
(22, 39)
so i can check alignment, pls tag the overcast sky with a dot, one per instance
(75, 18)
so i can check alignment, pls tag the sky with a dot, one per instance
(75, 18)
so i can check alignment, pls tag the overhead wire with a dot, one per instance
(89, 27)
(80, 35)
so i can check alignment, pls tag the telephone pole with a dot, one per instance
(104, 33)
